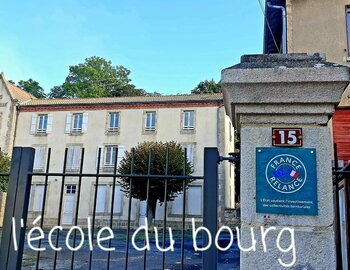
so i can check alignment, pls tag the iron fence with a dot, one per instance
(341, 195)
(18, 197)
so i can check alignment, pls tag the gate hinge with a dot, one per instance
(233, 157)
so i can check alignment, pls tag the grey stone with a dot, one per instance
(309, 246)
(297, 90)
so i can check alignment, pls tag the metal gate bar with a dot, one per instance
(19, 193)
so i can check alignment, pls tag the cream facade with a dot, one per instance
(194, 121)
(320, 26)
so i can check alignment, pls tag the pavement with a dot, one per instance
(228, 260)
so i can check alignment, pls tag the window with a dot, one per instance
(108, 155)
(104, 199)
(76, 123)
(71, 189)
(188, 119)
(41, 124)
(39, 158)
(193, 203)
(150, 121)
(73, 158)
(111, 151)
(36, 197)
(113, 121)
(189, 152)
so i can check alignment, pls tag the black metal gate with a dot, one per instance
(18, 196)
(341, 193)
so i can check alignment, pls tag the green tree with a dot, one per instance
(58, 92)
(96, 77)
(207, 87)
(5, 165)
(158, 167)
(33, 88)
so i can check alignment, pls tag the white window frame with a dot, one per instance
(150, 120)
(110, 155)
(115, 126)
(42, 118)
(80, 117)
(188, 115)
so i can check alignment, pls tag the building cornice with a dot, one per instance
(120, 106)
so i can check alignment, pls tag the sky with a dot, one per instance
(169, 46)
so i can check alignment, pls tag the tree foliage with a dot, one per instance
(58, 92)
(32, 87)
(207, 87)
(5, 165)
(96, 77)
(159, 150)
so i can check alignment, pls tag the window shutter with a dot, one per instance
(68, 123)
(117, 199)
(195, 200)
(190, 150)
(101, 199)
(33, 124)
(39, 158)
(38, 197)
(49, 123)
(102, 157)
(76, 157)
(108, 121)
(121, 154)
(36, 158)
(85, 122)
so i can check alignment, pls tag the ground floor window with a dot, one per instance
(105, 198)
(36, 197)
(194, 202)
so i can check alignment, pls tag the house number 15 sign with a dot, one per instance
(287, 137)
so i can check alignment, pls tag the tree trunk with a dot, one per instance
(151, 212)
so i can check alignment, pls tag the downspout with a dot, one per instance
(218, 125)
(284, 26)
(16, 124)
(220, 142)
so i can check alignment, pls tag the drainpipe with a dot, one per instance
(16, 125)
(284, 25)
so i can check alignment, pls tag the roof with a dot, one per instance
(19, 93)
(127, 100)
(274, 19)
(15, 92)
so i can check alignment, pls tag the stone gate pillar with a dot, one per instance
(285, 186)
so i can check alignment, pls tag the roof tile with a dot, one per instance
(121, 100)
